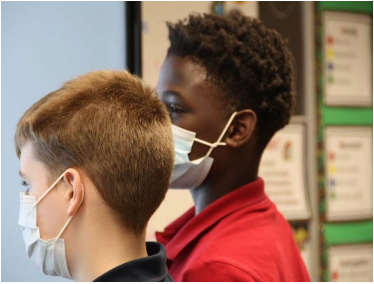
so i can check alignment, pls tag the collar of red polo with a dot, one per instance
(188, 227)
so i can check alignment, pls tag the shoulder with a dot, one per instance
(218, 269)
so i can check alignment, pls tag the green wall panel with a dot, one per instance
(351, 6)
(348, 233)
(347, 116)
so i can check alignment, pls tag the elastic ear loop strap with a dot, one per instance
(71, 217)
(218, 143)
(49, 189)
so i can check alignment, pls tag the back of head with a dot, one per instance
(250, 63)
(113, 127)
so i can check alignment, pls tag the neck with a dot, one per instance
(214, 188)
(103, 247)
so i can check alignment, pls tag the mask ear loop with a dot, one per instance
(49, 189)
(71, 217)
(213, 145)
(218, 143)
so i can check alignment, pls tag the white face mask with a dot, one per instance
(191, 174)
(50, 256)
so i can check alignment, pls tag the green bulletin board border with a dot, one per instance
(348, 233)
(350, 6)
(347, 116)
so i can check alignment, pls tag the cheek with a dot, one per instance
(51, 215)
(198, 150)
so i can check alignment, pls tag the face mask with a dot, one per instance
(50, 256)
(191, 174)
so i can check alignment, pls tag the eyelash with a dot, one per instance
(175, 109)
(25, 184)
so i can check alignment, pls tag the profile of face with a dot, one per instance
(192, 101)
(197, 105)
(52, 211)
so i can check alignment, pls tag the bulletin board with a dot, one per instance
(344, 113)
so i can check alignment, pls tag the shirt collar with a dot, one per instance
(152, 268)
(188, 227)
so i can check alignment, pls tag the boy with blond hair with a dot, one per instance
(96, 156)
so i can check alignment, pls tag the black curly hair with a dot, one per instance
(250, 63)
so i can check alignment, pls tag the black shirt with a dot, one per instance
(151, 269)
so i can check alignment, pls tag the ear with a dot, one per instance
(241, 129)
(74, 193)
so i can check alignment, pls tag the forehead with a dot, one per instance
(189, 79)
(27, 153)
(180, 70)
(28, 162)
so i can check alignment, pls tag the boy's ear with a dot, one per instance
(241, 129)
(75, 193)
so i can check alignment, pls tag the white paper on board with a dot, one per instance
(349, 173)
(348, 53)
(351, 263)
(283, 169)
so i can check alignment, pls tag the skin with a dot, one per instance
(95, 240)
(196, 104)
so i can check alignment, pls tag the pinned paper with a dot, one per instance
(351, 263)
(347, 59)
(283, 169)
(349, 172)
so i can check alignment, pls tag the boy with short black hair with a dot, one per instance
(228, 84)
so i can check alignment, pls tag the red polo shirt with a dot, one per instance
(239, 237)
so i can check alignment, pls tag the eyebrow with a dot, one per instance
(171, 93)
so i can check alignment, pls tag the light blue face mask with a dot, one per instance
(49, 256)
(191, 174)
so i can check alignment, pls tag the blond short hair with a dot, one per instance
(113, 127)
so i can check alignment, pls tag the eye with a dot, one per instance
(24, 183)
(174, 108)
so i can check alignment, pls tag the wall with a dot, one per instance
(43, 45)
